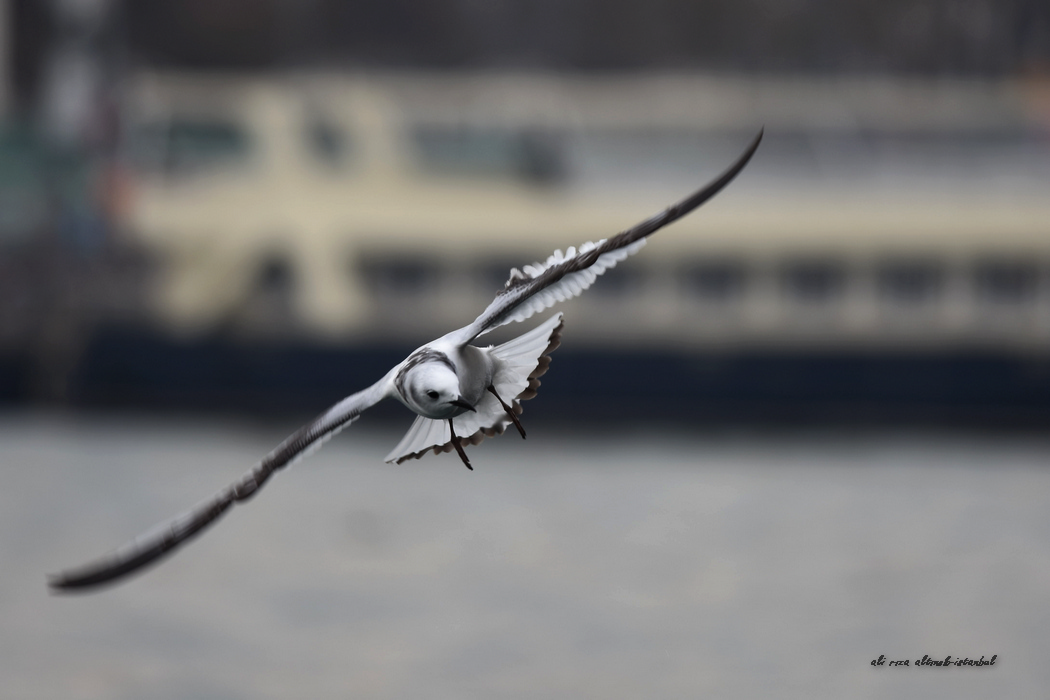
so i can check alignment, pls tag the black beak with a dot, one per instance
(463, 404)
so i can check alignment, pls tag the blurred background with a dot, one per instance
(218, 217)
(257, 205)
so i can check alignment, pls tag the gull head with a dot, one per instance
(431, 389)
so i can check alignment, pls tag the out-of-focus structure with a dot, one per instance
(879, 213)
(248, 202)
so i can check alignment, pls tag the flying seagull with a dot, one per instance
(459, 391)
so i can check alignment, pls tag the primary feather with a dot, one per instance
(562, 277)
(164, 539)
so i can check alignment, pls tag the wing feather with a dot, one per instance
(164, 539)
(563, 276)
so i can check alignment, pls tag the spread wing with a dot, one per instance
(164, 539)
(564, 276)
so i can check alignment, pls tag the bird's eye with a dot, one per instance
(432, 394)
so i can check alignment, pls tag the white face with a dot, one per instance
(431, 387)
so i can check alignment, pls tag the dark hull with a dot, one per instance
(132, 368)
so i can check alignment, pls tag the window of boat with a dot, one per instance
(327, 143)
(715, 279)
(182, 146)
(909, 282)
(398, 274)
(533, 156)
(1006, 281)
(813, 280)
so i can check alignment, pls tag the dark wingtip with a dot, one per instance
(105, 573)
(71, 582)
(118, 567)
(59, 585)
(677, 211)
(95, 577)
(716, 185)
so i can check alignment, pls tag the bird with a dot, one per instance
(461, 393)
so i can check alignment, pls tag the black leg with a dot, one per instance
(509, 410)
(459, 448)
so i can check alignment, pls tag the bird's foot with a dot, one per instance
(458, 446)
(509, 410)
